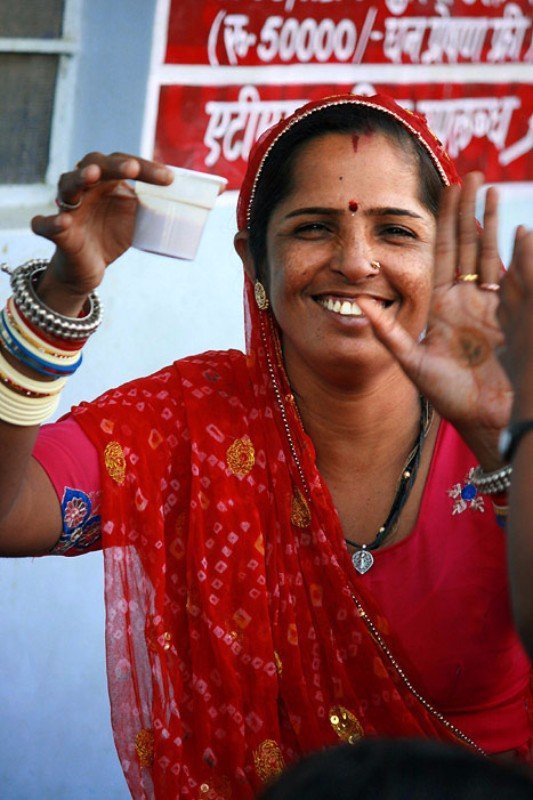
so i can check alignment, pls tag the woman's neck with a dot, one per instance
(364, 426)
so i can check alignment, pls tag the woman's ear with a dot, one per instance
(241, 243)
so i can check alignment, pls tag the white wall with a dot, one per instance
(54, 712)
(56, 742)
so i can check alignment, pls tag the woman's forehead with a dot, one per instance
(339, 161)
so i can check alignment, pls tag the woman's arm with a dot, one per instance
(516, 316)
(95, 230)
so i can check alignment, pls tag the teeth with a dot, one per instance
(347, 308)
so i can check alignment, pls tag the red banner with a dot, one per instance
(483, 126)
(264, 32)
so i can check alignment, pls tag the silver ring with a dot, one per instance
(64, 206)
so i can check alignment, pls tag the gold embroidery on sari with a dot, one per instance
(268, 760)
(345, 724)
(144, 745)
(240, 457)
(300, 514)
(278, 662)
(115, 462)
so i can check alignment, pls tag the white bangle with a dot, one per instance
(47, 388)
(25, 411)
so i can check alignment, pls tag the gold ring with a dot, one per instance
(375, 265)
(490, 287)
(470, 277)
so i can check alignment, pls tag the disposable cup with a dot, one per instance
(170, 219)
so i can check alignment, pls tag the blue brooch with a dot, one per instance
(466, 496)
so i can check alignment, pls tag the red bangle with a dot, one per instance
(63, 344)
(500, 499)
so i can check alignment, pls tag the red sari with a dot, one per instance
(238, 636)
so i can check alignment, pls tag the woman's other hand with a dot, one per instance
(97, 229)
(515, 314)
(455, 365)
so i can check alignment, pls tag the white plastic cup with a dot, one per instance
(170, 219)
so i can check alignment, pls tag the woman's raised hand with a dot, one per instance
(455, 365)
(95, 219)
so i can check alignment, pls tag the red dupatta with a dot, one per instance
(238, 636)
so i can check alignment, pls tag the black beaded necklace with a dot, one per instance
(363, 559)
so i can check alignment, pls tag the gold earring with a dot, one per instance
(375, 265)
(260, 296)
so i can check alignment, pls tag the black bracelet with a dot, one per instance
(510, 438)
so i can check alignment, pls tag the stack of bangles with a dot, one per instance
(42, 340)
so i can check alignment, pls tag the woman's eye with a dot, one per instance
(312, 229)
(398, 230)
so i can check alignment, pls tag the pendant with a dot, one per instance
(362, 561)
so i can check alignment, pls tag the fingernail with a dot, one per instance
(164, 174)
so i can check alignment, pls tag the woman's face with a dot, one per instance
(354, 200)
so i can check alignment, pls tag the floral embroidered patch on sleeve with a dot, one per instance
(466, 496)
(81, 523)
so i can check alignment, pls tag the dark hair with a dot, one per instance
(399, 770)
(276, 179)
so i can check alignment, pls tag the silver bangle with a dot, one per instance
(492, 482)
(37, 312)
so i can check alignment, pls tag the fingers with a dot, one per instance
(395, 338)
(446, 237)
(467, 228)
(490, 265)
(95, 168)
(521, 267)
(118, 166)
(462, 246)
(517, 283)
(51, 227)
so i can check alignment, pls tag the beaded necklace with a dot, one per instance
(363, 559)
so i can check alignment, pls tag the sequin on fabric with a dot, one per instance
(144, 745)
(300, 514)
(268, 760)
(345, 724)
(115, 462)
(219, 788)
(240, 457)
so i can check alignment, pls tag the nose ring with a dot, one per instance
(375, 265)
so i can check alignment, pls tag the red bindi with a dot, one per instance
(355, 142)
(353, 205)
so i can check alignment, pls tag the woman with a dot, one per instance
(236, 490)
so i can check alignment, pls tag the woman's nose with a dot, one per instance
(354, 258)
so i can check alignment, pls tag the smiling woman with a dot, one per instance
(302, 543)
(320, 256)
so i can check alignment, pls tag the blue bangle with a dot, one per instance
(40, 365)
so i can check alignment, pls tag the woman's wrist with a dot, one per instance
(484, 443)
(59, 296)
